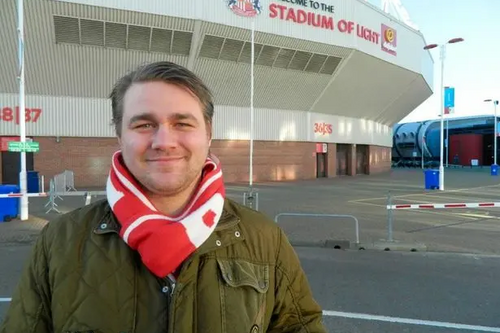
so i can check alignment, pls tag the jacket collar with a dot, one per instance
(109, 224)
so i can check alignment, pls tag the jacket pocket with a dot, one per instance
(243, 294)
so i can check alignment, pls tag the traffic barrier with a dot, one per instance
(429, 206)
(445, 205)
(18, 195)
(69, 180)
(87, 195)
(58, 187)
(356, 222)
(63, 184)
(52, 197)
(42, 193)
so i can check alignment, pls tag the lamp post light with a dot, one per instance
(442, 56)
(495, 134)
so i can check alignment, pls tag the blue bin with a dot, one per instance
(431, 179)
(33, 185)
(9, 207)
(494, 170)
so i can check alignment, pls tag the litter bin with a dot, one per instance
(33, 182)
(9, 207)
(494, 170)
(431, 179)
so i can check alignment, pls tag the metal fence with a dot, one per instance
(356, 222)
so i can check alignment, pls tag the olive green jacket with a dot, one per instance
(83, 278)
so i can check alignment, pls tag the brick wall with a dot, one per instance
(380, 159)
(332, 160)
(90, 158)
(272, 161)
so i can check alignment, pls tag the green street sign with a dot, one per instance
(28, 147)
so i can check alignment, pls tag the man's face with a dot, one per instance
(164, 138)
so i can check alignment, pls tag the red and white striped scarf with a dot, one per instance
(163, 241)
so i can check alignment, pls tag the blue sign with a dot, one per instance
(449, 97)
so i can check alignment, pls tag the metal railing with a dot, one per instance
(63, 184)
(356, 222)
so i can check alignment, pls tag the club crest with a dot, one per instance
(247, 8)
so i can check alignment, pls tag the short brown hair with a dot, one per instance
(162, 71)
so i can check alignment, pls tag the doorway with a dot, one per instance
(361, 159)
(11, 166)
(342, 158)
(321, 165)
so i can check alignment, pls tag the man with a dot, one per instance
(166, 251)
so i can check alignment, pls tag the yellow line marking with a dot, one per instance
(390, 186)
(430, 193)
(385, 198)
(480, 216)
(368, 204)
(449, 214)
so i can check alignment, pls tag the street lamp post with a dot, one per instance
(24, 213)
(442, 55)
(495, 130)
(447, 140)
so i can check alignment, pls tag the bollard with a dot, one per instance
(88, 198)
(251, 199)
(389, 217)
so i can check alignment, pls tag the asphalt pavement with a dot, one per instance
(430, 289)
(469, 230)
(374, 291)
(450, 288)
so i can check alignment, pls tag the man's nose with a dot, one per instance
(165, 137)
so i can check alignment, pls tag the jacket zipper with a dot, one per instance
(168, 289)
(171, 282)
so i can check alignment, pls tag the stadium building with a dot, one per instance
(331, 79)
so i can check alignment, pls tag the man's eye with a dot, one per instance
(184, 125)
(144, 126)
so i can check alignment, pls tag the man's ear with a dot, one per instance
(209, 133)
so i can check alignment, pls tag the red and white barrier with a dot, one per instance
(444, 205)
(18, 195)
